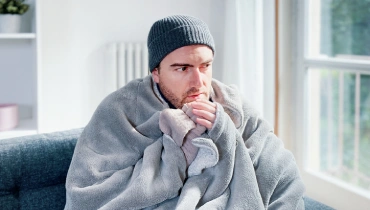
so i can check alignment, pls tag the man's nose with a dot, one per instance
(196, 78)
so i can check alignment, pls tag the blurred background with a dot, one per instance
(304, 65)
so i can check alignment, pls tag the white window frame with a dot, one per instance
(319, 186)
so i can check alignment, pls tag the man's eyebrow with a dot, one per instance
(186, 64)
(181, 64)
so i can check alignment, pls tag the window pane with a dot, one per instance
(339, 125)
(339, 28)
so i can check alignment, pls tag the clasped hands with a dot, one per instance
(187, 124)
(203, 112)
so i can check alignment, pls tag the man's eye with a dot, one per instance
(206, 65)
(184, 68)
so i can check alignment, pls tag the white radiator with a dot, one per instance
(126, 61)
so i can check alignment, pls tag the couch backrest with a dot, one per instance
(33, 170)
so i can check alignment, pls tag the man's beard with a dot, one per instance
(179, 102)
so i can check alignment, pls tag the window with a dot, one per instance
(333, 88)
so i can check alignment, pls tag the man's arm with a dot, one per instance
(275, 173)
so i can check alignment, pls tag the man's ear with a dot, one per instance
(155, 75)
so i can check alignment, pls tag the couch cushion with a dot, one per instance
(33, 170)
(311, 204)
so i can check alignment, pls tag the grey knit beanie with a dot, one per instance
(170, 33)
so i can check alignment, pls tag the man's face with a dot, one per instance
(185, 74)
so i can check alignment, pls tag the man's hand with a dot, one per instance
(205, 112)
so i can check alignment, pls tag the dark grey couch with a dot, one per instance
(33, 170)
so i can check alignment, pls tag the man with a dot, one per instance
(178, 139)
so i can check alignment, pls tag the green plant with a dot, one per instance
(16, 7)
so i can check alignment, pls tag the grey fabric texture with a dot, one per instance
(176, 124)
(190, 150)
(123, 161)
(188, 147)
(33, 170)
(172, 32)
(179, 125)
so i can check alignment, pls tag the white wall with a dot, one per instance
(17, 68)
(216, 24)
(269, 60)
(16, 75)
(73, 34)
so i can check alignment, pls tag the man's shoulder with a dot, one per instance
(126, 95)
(227, 88)
(132, 89)
(124, 101)
(232, 95)
(226, 94)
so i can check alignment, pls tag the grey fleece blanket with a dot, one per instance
(123, 161)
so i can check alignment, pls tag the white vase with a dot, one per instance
(10, 23)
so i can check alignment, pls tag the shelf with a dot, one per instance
(18, 36)
(25, 127)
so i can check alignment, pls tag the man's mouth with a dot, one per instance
(195, 96)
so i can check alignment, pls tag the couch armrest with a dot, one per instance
(33, 170)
